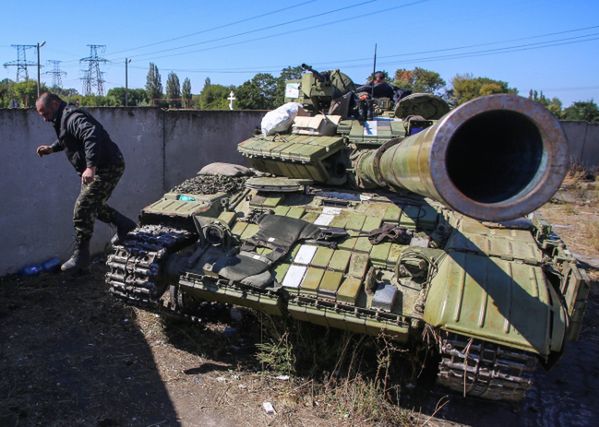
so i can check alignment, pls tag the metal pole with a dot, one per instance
(38, 70)
(39, 67)
(371, 101)
(127, 60)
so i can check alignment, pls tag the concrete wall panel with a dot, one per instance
(196, 138)
(38, 193)
(590, 152)
(576, 133)
(139, 134)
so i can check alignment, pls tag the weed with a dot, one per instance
(277, 355)
(355, 377)
(569, 209)
(578, 173)
(591, 230)
(362, 399)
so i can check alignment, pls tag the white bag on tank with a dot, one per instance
(279, 120)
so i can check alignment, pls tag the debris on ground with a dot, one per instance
(268, 408)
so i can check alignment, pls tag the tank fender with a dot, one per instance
(496, 300)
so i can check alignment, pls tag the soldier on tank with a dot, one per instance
(382, 89)
(378, 87)
(99, 163)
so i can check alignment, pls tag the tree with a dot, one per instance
(419, 80)
(291, 73)
(25, 92)
(213, 97)
(582, 110)
(259, 93)
(186, 93)
(64, 93)
(135, 97)
(154, 85)
(6, 93)
(554, 104)
(173, 90)
(467, 87)
(287, 73)
(94, 101)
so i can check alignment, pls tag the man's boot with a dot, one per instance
(79, 261)
(123, 226)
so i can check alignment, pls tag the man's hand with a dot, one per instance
(44, 150)
(88, 175)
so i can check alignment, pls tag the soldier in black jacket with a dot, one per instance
(99, 163)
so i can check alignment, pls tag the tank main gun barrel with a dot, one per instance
(494, 158)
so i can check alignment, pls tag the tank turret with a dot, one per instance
(494, 158)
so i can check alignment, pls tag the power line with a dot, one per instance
(218, 27)
(562, 89)
(93, 76)
(509, 49)
(403, 54)
(21, 62)
(484, 52)
(263, 28)
(337, 62)
(302, 29)
(112, 58)
(268, 27)
(64, 52)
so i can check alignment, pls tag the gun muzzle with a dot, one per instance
(493, 158)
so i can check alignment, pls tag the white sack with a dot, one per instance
(279, 120)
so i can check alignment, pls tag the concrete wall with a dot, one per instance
(583, 139)
(196, 138)
(161, 148)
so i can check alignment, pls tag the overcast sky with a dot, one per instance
(546, 45)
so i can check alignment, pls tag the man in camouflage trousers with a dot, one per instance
(99, 162)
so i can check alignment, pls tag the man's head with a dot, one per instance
(47, 105)
(379, 77)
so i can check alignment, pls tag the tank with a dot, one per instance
(380, 216)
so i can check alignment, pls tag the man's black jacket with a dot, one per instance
(86, 142)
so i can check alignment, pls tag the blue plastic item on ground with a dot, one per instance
(53, 264)
(32, 270)
(50, 265)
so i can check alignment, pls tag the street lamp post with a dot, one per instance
(39, 66)
(127, 61)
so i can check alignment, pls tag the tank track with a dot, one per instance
(134, 266)
(486, 370)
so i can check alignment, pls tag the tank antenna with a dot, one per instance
(371, 100)
(373, 73)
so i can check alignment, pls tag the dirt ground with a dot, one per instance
(72, 355)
